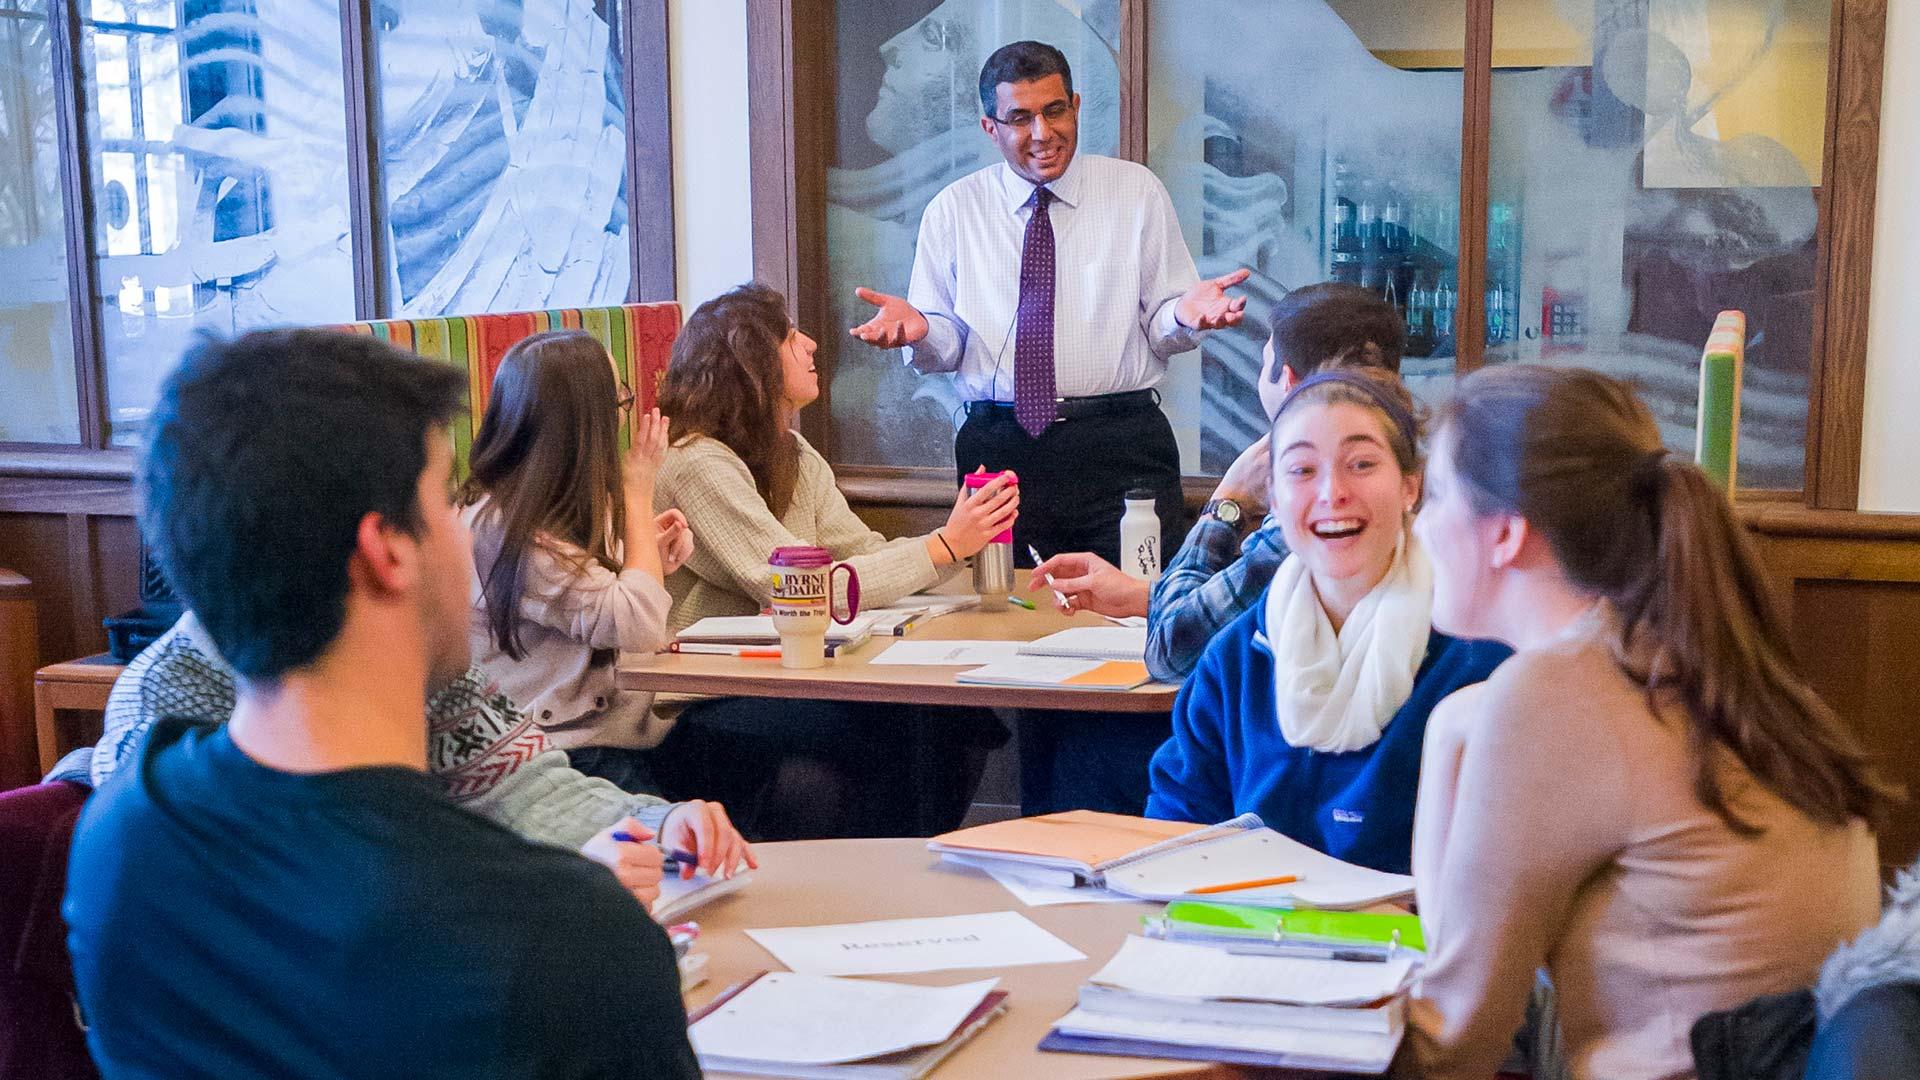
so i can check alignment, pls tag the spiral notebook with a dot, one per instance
(1092, 643)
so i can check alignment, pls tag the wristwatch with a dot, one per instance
(1226, 511)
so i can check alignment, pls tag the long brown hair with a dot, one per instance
(548, 453)
(725, 382)
(1579, 457)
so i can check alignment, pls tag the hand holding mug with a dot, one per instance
(980, 514)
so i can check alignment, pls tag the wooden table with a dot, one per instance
(852, 676)
(77, 686)
(815, 882)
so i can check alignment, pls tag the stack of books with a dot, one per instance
(1205, 1002)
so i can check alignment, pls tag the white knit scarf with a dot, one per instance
(1336, 692)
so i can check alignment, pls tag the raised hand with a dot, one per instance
(897, 322)
(644, 453)
(1207, 306)
(1249, 478)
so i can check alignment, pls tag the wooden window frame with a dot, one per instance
(645, 86)
(791, 101)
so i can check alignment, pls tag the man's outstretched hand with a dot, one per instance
(897, 322)
(1207, 306)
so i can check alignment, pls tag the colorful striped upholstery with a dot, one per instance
(640, 337)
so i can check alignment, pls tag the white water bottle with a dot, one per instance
(1140, 537)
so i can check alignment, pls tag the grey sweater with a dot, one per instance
(494, 760)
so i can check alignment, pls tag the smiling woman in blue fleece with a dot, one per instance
(1310, 709)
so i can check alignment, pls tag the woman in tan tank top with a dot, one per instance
(1647, 800)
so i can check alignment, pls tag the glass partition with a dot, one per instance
(218, 136)
(907, 110)
(1654, 162)
(36, 331)
(1307, 140)
(503, 154)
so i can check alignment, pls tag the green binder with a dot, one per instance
(1229, 921)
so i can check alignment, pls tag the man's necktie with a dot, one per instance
(1033, 395)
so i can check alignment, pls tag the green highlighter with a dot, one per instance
(1284, 930)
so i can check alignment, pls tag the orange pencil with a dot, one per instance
(1236, 886)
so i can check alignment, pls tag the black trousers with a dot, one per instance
(1074, 477)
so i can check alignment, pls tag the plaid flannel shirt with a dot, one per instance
(1207, 585)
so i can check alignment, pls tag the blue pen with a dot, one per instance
(684, 858)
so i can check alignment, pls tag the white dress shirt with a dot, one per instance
(1121, 266)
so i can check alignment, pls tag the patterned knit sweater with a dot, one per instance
(734, 532)
(494, 760)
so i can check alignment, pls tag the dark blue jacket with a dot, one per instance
(1227, 756)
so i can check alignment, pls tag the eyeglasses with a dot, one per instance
(625, 399)
(1020, 118)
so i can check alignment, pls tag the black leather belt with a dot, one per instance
(1080, 408)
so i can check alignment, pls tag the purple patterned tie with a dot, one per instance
(1033, 403)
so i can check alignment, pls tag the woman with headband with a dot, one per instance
(1310, 709)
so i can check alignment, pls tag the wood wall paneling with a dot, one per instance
(83, 568)
(1838, 379)
(19, 657)
(1476, 126)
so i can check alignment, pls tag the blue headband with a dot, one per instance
(1397, 413)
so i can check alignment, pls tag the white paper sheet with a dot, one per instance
(815, 1020)
(947, 653)
(1176, 969)
(1126, 620)
(899, 946)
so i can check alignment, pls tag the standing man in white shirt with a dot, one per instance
(1056, 286)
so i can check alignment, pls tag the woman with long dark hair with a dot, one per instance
(748, 483)
(1647, 799)
(571, 559)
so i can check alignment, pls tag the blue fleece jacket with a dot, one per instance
(1227, 756)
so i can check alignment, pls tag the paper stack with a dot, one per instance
(787, 1024)
(1190, 1002)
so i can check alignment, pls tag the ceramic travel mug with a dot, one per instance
(802, 580)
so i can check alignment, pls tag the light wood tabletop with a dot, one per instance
(852, 676)
(68, 699)
(818, 882)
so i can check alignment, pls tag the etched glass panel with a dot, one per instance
(908, 116)
(36, 334)
(1306, 140)
(1653, 163)
(503, 154)
(218, 135)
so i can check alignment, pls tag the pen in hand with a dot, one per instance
(683, 858)
(1057, 594)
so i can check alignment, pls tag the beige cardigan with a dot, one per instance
(575, 618)
(1557, 827)
(734, 532)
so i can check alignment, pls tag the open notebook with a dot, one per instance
(1178, 862)
(1092, 643)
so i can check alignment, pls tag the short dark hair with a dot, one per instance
(1333, 322)
(1022, 61)
(263, 455)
